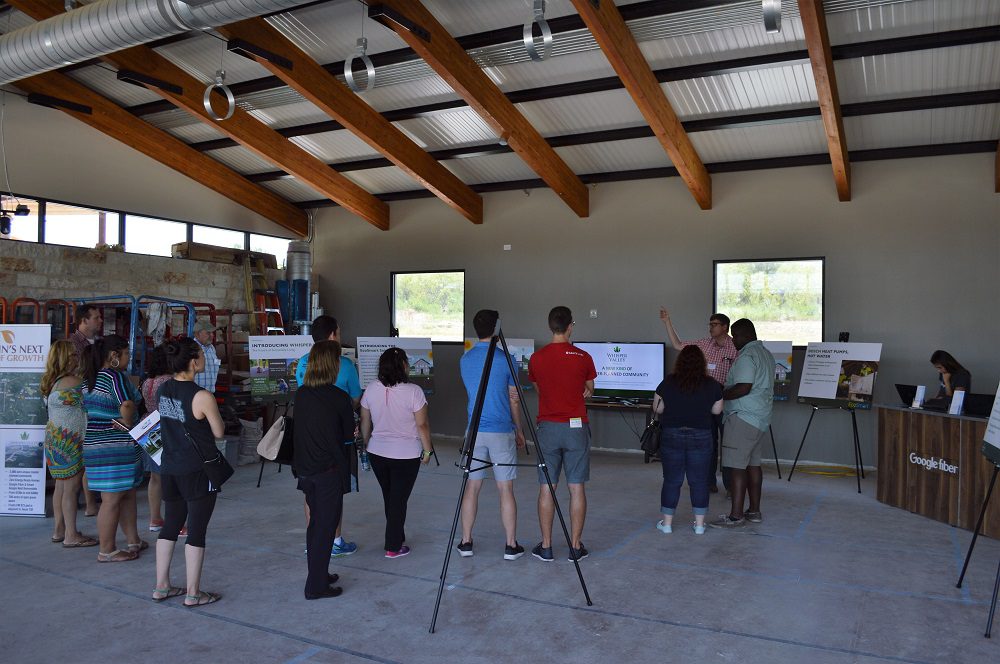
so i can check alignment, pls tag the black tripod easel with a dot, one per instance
(774, 448)
(859, 469)
(466, 464)
(260, 475)
(972, 545)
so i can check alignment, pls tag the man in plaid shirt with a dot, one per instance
(203, 335)
(720, 353)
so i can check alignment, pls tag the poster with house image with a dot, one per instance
(782, 352)
(419, 355)
(521, 349)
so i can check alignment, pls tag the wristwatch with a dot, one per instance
(426, 454)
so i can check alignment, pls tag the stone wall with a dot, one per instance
(50, 271)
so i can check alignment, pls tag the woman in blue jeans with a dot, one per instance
(685, 402)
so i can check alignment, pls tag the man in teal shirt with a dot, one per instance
(749, 397)
(326, 328)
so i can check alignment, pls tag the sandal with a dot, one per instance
(160, 594)
(141, 545)
(201, 599)
(82, 542)
(56, 540)
(116, 556)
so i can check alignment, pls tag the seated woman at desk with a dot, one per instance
(953, 376)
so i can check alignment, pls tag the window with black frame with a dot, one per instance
(783, 296)
(429, 304)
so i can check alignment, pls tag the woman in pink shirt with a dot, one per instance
(397, 435)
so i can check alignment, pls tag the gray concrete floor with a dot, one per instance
(829, 576)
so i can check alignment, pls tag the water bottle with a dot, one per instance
(364, 460)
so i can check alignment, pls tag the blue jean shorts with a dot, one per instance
(564, 447)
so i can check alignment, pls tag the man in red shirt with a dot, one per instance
(720, 353)
(564, 376)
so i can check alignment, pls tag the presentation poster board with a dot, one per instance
(521, 349)
(782, 352)
(419, 356)
(23, 351)
(991, 441)
(840, 374)
(273, 361)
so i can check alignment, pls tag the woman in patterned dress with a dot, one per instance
(109, 453)
(64, 433)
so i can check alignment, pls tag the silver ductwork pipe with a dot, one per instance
(106, 26)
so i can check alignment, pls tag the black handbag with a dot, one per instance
(649, 441)
(218, 468)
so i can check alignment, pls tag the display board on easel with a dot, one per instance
(782, 352)
(841, 375)
(273, 361)
(23, 351)
(991, 441)
(419, 355)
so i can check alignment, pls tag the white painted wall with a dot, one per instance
(52, 155)
(912, 262)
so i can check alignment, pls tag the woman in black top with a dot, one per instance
(687, 400)
(324, 419)
(189, 424)
(953, 376)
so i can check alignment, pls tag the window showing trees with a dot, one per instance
(79, 226)
(429, 304)
(23, 227)
(146, 235)
(219, 237)
(783, 297)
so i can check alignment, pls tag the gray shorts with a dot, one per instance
(496, 448)
(563, 446)
(741, 444)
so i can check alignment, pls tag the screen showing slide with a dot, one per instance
(626, 370)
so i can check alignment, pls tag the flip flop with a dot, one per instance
(141, 545)
(160, 594)
(86, 541)
(202, 599)
(116, 556)
(56, 540)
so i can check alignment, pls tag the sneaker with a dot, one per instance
(345, 549)
(543, 554)
(403, 551)
(726, 521)
(513, 552)
(753, 517)
(465, 549)
(664, 528)
(698, 530)
(581, 553)
(155, 526)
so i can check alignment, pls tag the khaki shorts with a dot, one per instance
(740, 444)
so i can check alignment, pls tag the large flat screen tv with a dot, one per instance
(626, 370)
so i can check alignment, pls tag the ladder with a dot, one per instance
(262, 301)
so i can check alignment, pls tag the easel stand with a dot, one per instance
(260, 475)
(972, 545)
(859, 470)
(467, 459)
(774, 448)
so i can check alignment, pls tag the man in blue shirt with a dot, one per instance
(326, 328)
(499, 435)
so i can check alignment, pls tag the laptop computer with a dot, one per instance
(977, 405)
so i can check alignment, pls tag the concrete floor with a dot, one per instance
(829, 576)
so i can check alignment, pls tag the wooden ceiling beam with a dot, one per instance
(241, 127)
(619, 45)
(453, 64)
(114, 121)
(818, 45)
(323, 89)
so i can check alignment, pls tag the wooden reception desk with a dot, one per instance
(931, 463)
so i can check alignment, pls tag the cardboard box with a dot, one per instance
(213, 254)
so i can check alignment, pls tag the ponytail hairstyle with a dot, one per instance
(180, 353)
(96, 354)
(62, 361)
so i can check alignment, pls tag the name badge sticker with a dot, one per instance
(576, 423)
(711, 367)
